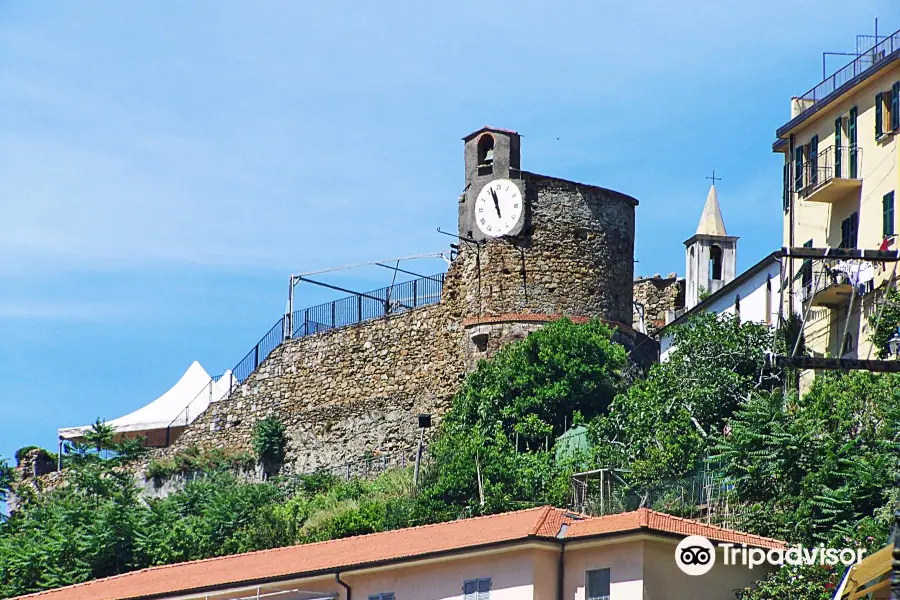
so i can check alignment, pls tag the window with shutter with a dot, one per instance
(382, 596)
(786, 187)
(598, 584)
(798, 169)
(837, 148)
(849, 228)
(887, 217)
(484, 589)
(477, 589)
(813, 160)
(879, 115)
(806, 268)
(851, 139)
(895, 106)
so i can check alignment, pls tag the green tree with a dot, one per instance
(493, 449)
(661, 426)
(810, 468)
(885, 327)
(7, 478)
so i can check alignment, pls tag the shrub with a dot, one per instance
(270, 443)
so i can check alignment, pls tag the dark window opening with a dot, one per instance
(477, 589)
(806, 269)
(813, 160)
(598, 584)
(849, 231)
(715, 263)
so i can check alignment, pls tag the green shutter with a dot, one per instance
(814, 160)
(851, 135)
(895, 106)
(887, 223)
(879, 117)
(837, 148)
(798, 168)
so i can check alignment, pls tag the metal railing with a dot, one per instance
(370, 305)
(324, 317)
(834, 162)
(862, 63)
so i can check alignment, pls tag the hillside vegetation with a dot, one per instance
(814, 469)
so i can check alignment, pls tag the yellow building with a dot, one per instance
(841, 177)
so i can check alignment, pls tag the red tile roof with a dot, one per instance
(543, 523)
(652, 521)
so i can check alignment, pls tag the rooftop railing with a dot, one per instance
(862, 63)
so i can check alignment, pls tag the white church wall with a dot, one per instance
(758, 302)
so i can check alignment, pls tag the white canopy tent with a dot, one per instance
(184, 401)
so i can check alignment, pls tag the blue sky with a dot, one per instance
(166, 166)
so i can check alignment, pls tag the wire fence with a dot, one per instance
(705, 496)
(350, 310)
(370, 305)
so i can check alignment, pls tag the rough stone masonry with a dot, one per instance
(358, 389)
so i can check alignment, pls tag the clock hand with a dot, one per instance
(496, 201)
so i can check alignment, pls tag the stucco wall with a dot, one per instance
(663, 580)
(625, 561)
(759, 303)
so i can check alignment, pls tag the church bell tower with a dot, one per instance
(710, 254)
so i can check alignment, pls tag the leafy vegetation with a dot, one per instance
(813, 469)
(194, 459)
(270, 443)
(887, 325)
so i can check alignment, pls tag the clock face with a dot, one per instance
(498, 207)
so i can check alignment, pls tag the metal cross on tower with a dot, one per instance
(714, 178)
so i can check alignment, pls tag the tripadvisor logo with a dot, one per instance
(696, 555)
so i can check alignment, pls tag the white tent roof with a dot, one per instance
(195, 388)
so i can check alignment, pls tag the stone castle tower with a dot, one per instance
(710, 253)
(532, 248)
(570, 252)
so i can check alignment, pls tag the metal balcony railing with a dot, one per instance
(822, 278)
(834, 162)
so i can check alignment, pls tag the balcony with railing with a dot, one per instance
(825, 285)
(831, 175)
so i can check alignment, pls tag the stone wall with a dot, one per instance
(657, 295)
(345, 392)
(574, 257)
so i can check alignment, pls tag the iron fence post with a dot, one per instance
(359, 309)
(415, 294)
(332, 315)
(256, 357)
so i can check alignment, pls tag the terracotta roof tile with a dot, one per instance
(650, 520)
(308, 558)
(537, 523)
